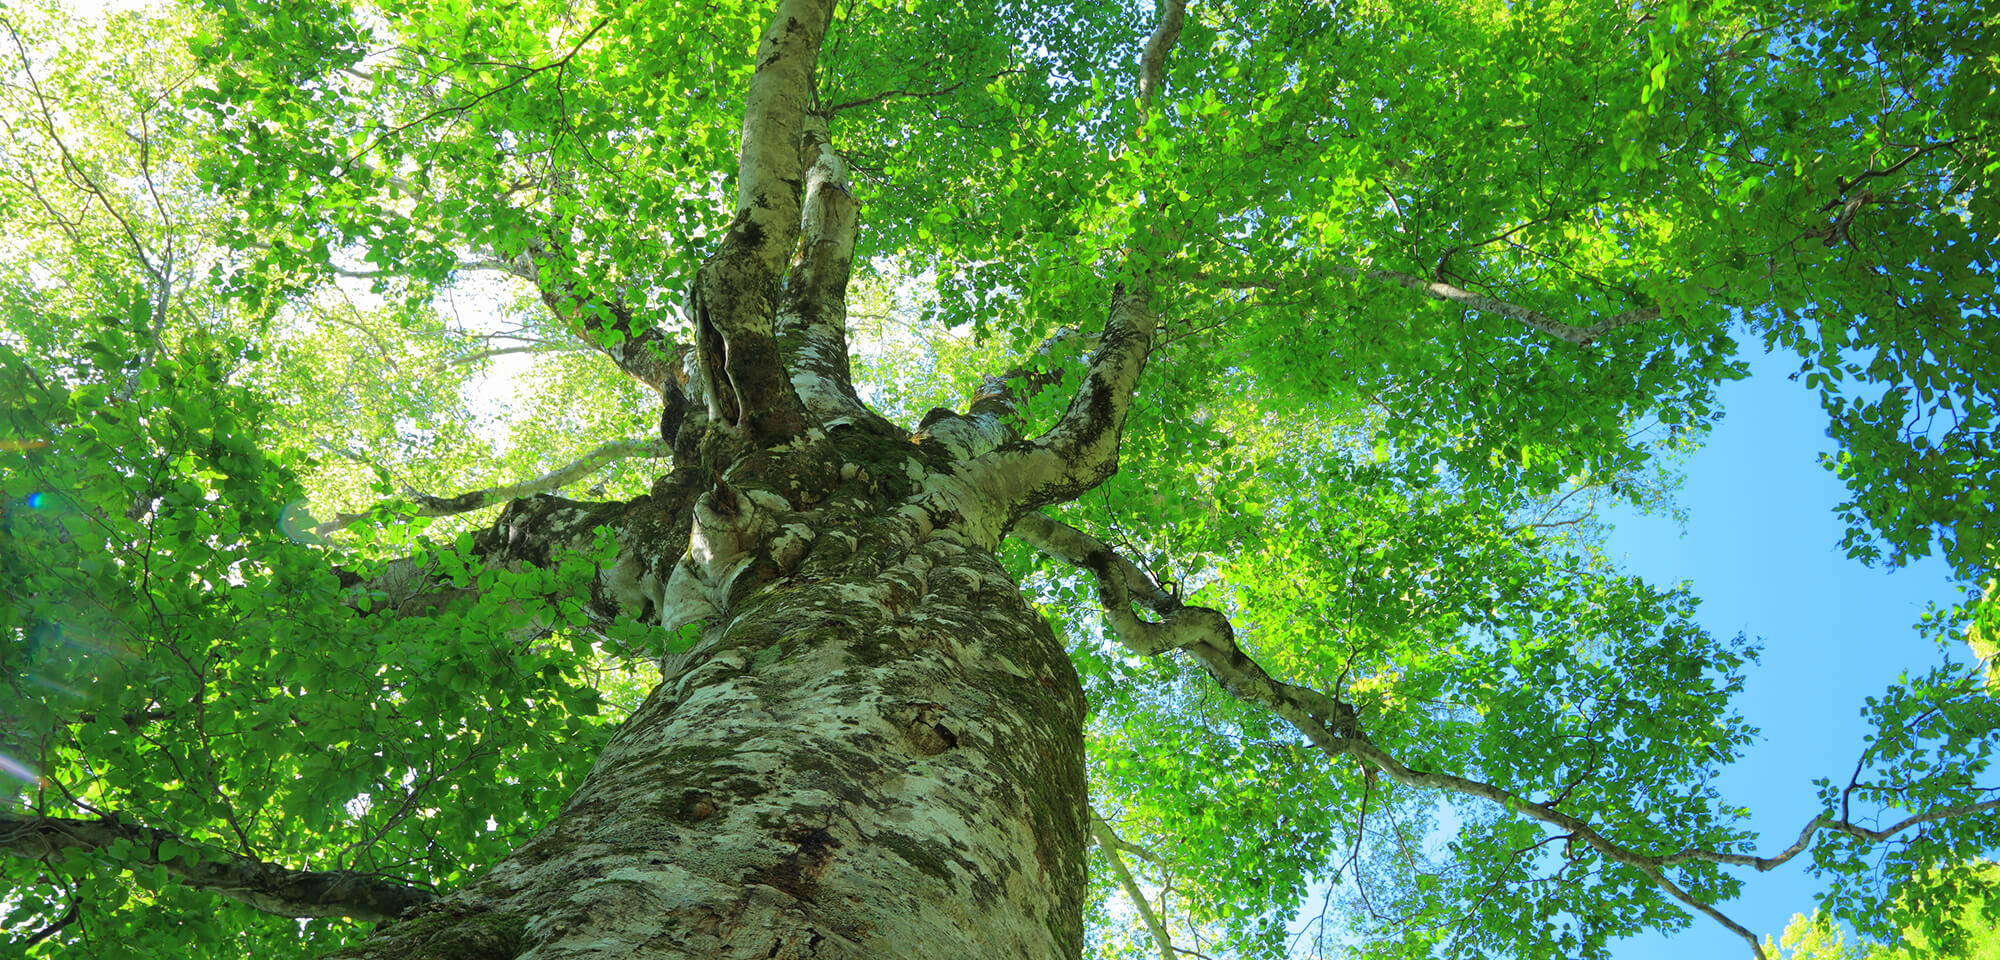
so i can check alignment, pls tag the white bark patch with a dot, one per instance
(729, 524)
(967, 436)
(790, 546)
(883, 765)
(630, 585)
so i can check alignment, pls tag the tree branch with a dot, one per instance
(651, 531)
(835, 110)
(264, 886)
(563, 476)
(1166, 33)
(1081, 450)
(747, 388)
(769, 167)
(526, 73)
(811, 324)
(994, 416)
(1203, 632)
(1582, 335)
(1847, 185)
(639, 347)
(1332, 725)
(491, 352)
(1108, 842)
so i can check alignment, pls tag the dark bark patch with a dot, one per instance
(693, 806)
(798, 873)
(748, 231)
(924, 733)
(1093, 407)
(936, 859)
(461, 934)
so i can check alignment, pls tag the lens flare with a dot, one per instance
(296, 522)
(62, 688)
(18, 770)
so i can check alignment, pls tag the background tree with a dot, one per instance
(1975, 938)
(1280, 355)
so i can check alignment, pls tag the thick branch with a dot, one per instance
(1166, 33)
(1108, 842)
(639, 347)
(563, 476)
(768, 166)
(1332, 725)
(744, 381)
(1081, 450)
(1582, 335)
(811, 325)
(255, 883)
(994, 417)
(650, 530)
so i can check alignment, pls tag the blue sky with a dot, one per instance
(1761, 547)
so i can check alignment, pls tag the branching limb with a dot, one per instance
(1123, 845)
(1202, 632)
(639, 348)
(525, 73)
(769, 167)
(994, 416)
(264, 886)
(1863, 176)
(76, 172)
(563, 476)
(650, 531)
(1166, 33)
(811, 325)
(746, 386)
(1081, 450)
(1108, 842)
(1332, 725)
(156, 264)
(1843, 825)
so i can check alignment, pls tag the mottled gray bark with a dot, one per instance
(875, 750)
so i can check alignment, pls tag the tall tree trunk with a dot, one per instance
(875, 750)
(876, 747)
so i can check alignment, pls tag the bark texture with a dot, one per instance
(874, 750)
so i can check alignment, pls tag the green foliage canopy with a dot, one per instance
(1437, 279)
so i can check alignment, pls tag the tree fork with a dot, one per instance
(875, 750)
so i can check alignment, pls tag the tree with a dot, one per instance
(1971, 937)
(1301, 342)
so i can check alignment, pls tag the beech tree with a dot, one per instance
(986, 479)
